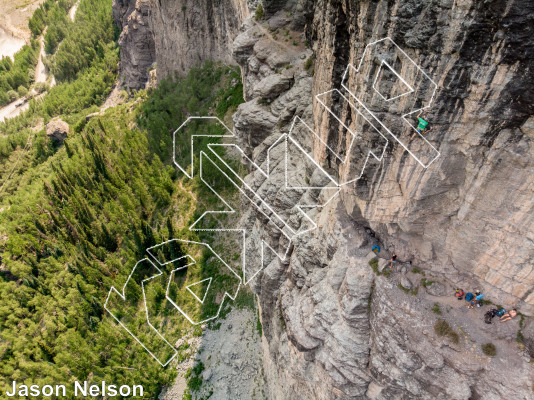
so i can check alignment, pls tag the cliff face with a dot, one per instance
(175, 35)
(470, 214)
(333, 329)
(136, 41)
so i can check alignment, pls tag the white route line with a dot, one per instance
(171, 276)
(398, 76)
(350, 66)
(123, 297)
(260, 203)
(188, 287)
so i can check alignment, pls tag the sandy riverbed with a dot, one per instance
(9, 44)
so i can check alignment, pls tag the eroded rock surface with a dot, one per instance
(175, 35)
(57, 130)
(333, 328)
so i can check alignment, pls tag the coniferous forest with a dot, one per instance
(74, 216)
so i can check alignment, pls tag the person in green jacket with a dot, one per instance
(422, 127)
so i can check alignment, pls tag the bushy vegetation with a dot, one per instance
(308, 63)
(259, 13)
(79, 215)
(436, 309)
(84, 41)
(489, 349)
(442, 328)
(19, 73)
(51, 12)
(426, 283)
(76, 216)
(199, 93)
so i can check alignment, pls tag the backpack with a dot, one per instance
(500, 312)
(487, 317)
(459, 294)
(469, 296)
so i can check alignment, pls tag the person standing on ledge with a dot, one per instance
(423, 124)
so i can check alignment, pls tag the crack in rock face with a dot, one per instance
(333, 328)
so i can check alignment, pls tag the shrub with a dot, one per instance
(308, 63)
(195, 379)
(403, 288)
(40, 87)
(416, 270)
(436, 309)
(374, 265)
(489, 349)
(259, 13)
(12, 95)
(22, 91)
(442, 328)
(426, 283)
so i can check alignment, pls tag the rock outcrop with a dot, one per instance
(175, 35)
(334, 328)
(470, 214)
(331, 330)
(136, 41)
(57, 130)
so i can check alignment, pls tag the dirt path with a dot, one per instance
(72, 11)
(41, 74)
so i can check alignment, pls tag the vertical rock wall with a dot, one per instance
(332, 329)
(177, 35)
(136, 41)
(469, 215)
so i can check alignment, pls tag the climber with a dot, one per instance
(393, 260)
(459, 294)
(478, 298)
(509, 315)
(422, 127)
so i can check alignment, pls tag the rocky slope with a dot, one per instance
(332, 328)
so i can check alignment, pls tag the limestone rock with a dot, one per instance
(436, 289)
(271, 86)
(57, 130)
(406, 283)
(136, 41)
(174, 35)
(331, 328)
(382, 264)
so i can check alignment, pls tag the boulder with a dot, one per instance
(57, 130)
(207, 374)
(382, 264)
(272, 86)
(406, 283)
